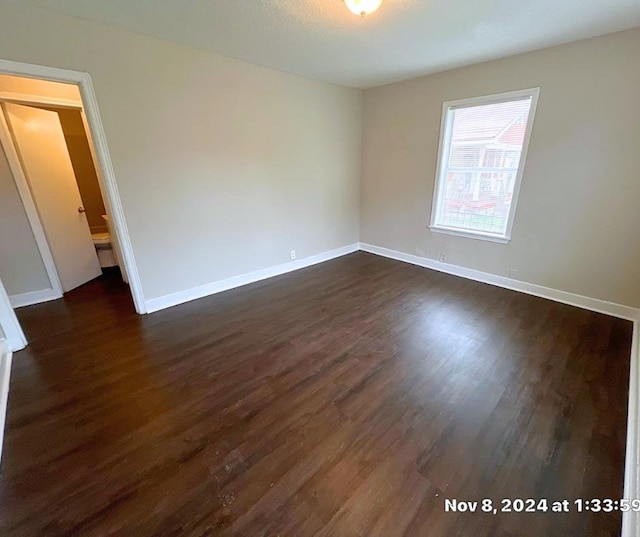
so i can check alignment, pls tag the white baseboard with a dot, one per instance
(593, 304)
(5, 375)
(167, 301)
(34, 297)
(630, 519)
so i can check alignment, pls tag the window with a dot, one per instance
(483, 145)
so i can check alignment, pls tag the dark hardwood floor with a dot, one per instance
(347, 399)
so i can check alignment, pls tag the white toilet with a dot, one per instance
(104, 247)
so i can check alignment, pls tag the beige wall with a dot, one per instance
(223, 167)
(21, 267)
(577, 221)
(83, 168)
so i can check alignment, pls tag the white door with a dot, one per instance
(43, 151)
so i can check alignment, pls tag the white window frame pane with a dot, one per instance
(444, 150)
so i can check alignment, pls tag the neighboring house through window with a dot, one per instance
(483, 146)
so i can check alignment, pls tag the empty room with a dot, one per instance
(332, 268)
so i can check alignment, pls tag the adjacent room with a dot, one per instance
(56, 235)
(325, 268)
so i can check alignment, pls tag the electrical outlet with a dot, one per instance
(443, 258)
(293, 255)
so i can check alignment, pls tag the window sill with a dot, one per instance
(470, 234)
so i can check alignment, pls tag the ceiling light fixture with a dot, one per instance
(362, 7)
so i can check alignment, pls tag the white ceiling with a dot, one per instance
(321, 39)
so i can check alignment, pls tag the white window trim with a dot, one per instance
(443, 157)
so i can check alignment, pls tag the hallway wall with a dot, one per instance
(21, 266)
(83, 167)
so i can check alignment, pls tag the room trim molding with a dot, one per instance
(180, 297)
(630, 519)
(9, 323)
(5, 375)
(572, 299)
(34, 297)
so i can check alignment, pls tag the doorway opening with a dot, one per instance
(61, 221)
(61, 239)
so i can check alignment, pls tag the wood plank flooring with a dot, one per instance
(347, 399)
